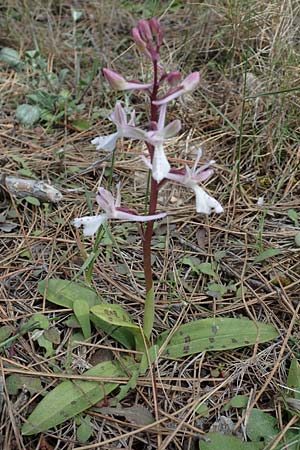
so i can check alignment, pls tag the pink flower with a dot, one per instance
(205, 204)
(112, 210)
(187, 85)
(125, 128)
(119, 83)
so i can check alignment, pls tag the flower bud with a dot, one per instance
(119, 83)
(115, 80)
(191, 82)
(156, 30)
(145, 30)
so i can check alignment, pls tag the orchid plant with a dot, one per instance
(68, 399)
(164, 88)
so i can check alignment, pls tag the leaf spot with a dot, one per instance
(214, 329)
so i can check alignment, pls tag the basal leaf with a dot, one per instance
(122, 335)
(72, 397)
(218, 441)
(64, 292)
(297, 239)
(82, 312)
(116, 316)
(214, 335)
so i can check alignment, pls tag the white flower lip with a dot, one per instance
(91, 224)
(205, 204)
(160, 164)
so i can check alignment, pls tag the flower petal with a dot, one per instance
(172, 129)
(106, 142)
(160, 164)
(91, 224)
(121, 215)
(118, 116)
(205, 204)
(107, 202)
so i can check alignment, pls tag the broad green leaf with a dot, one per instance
(28, 115)
(64, 292)
(71, 397)
(17, 382)
(191, 262)
(84, 431)
(269, 253)
(261, 426)
(82, 312)
(26, 173)
(220, 441)
(216, 290)
(115, 315)
(72, 322)
(215, 335)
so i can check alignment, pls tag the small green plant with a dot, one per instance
(49, 100)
